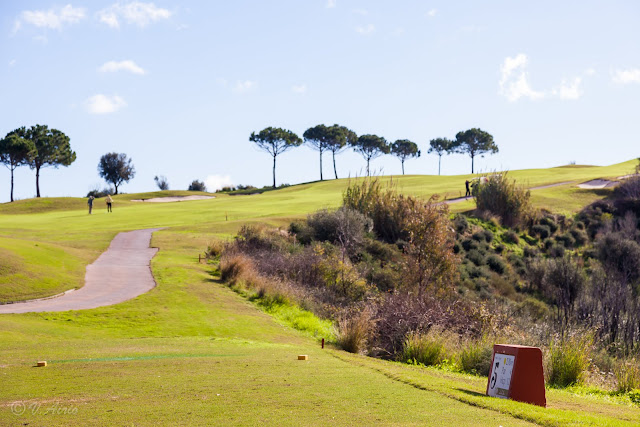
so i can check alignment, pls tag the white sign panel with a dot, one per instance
(500, 379)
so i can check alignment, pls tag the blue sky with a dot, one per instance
(180, 85)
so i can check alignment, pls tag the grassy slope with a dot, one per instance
(64, 224)
(167, 355)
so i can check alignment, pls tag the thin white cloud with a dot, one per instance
(245, 86)
(514, 80)
(104, 104)
(569, 90)
(41, 39)
(137, 13)
(331, 3)
(624, 77)
(432, 13)
(362, 12)
(366, 29)
(54, 19)
(216, 182)
(590, 72)
(300, 89)
(127, 65)
(12, 62)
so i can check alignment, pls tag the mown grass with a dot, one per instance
(193, 352)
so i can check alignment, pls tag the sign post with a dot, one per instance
(516, 374)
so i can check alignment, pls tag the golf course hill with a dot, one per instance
(242, 285)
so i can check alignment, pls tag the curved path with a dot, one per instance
(121, 273)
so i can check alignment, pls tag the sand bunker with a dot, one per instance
(627, 176)
(173, 199)
(598, 183)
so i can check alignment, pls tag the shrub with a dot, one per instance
(478, 272)
(478, 236)
(469, 244)
(502, 197)
(476, 257)
(162, 182)
(344, 226)
(488, 236)
(381, 251)
(549, 222)
(569, 360)
(534, 308)
(460, 224)
(566, 239)
(355, 330)
(630, 188)
(547, 244)
(496, 264)
(197, 186)
(457, 247)
(510, 237)
(304, 234)
(499, 248)
(627, 376)
(579, 236)
(97, 193)
(530, 252)
(556, 251)
(542, 231)
(475, 358)
(422, 349)
(620, 256)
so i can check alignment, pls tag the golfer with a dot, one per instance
(109, 200)
(90, 203)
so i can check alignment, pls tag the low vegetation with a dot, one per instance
(405, 280)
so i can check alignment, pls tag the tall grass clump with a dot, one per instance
(475, 357)
(503, 197)
(569, 360)
(234, 267)
(424, 349)
(354, 331)
(627, 376)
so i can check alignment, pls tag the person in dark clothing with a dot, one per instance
(90, 203)
(468, 193)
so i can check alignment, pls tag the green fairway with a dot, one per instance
(193, 352)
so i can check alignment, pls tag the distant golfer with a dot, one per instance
(468, 193)
(109, 200)
(90, 203)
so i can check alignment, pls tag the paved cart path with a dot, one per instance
(121, 273)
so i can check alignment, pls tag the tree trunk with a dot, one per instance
(320, 165)
(334, 164)
(471, 163)
(402, 161)
(116, 187)
(274, 171)
(439, 160)
(37, 181)
(12, 169)
(368, 174)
